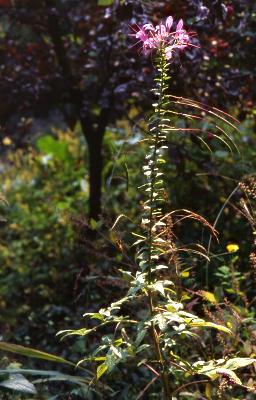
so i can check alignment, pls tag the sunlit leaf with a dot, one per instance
(159, 287)
(78, 332)
(209, 296)
(101, 369)
(29, 352)
(206, 324)
(224, 372)
(215, 368)
(50, 146)
(105, 2)
(235, 363)
(184, 274)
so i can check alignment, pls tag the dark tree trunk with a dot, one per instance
(93, 135)
(94, 138)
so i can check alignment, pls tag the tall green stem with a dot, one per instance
(155, 196)
(153, 166)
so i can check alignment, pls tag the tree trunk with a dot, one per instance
(94, 138)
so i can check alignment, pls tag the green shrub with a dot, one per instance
(38, 253)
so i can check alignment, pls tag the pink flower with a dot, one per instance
(161, 36)
(142, 35)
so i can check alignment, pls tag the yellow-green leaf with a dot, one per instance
(235, 363)
(184, 274)
(159, 287)
(208, 391)
(205, 324)
(227, 372)
(215, 368)
(105, 2)
(28, 352)
(78, 332)
(209, 296)
(101, 369)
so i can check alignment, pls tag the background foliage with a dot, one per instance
(73, 93)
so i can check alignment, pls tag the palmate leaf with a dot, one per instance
(28, 352)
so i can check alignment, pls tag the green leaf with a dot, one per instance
(208, 391)
(140, 336)
(209, 296)
(101, 369)
(221, 153)
(95, 316)
(214, 368)
(205, 324)
(217, 372)
(235, 363)
(19, 383)
(139, 236)
(184, 274)
(138, 242)
(208, 368)
(105, 2)
(52, 375)
(71, 332)
(159, 287)
(159, 267)
(162, 322)
(28, 352)
(227, 372)
(93, 224)
(48, 145)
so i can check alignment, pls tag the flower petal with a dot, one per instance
(148, 27)
(179, 25)
(169, 22)
(162, 29)
(141, 34)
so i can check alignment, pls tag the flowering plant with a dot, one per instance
(163, 37)
(158, 339)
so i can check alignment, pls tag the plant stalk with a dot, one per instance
(154, 334)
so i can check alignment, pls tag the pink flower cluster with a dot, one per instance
(162, 36)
